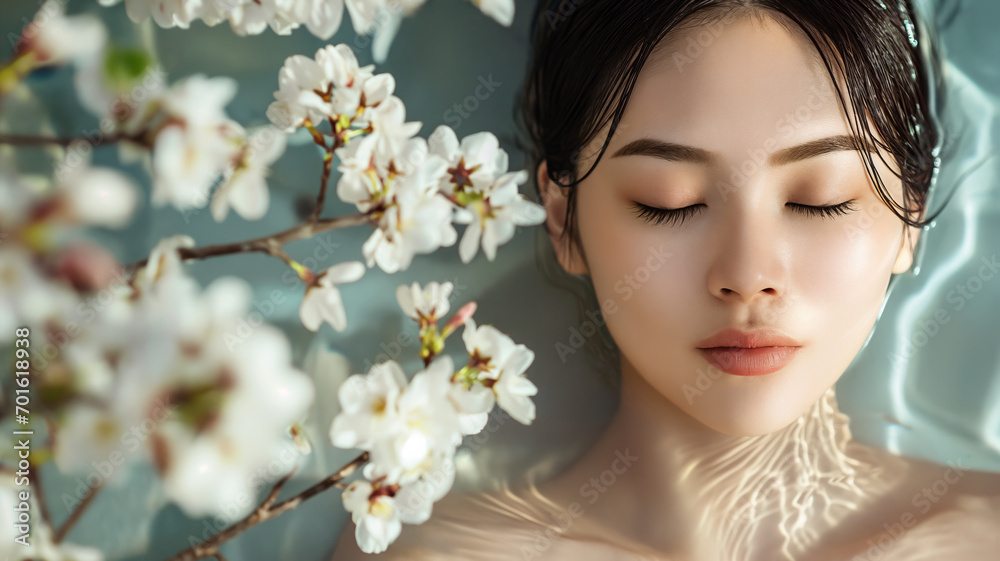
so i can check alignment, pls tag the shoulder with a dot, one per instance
(968, 528)
(481, 526)
(951, 512)
(489, 526)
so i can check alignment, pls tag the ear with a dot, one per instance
(907, 245)
(555, 201)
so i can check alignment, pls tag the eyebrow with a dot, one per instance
(681, 153)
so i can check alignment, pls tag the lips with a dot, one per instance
(752, 353)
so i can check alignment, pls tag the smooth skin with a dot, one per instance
(751, 113)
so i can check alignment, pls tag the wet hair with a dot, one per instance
(586, 56)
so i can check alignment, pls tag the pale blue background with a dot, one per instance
(941, 404)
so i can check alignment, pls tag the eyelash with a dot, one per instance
(659, 216)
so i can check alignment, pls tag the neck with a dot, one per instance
(737, 494)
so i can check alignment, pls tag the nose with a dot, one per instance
(748, 259)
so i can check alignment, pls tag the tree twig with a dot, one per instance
(273, 495)
(266, 244)
(27, 140)
(75, 515)
(323, 183)
(36, 483)
(266, 511)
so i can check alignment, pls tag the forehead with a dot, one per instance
(731, 84)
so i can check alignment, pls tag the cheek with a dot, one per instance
(844, 264)
(643, 276)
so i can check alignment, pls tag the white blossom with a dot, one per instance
(375, 516)
(322, 301)
(39, 542)
(166, 13)
(419, 222)
(501, 364)
(350, 82)
(378, 509)
(410, 429)
(27, 296)
(322, 17)
(244, 186)
(326, 86)
(427, 303)
(416, 499)
(251, 17)
(97, 196)
(56, 39)
(492, 219)
(427, 430)
(472, 165)
(391, 132)
(296, 99)
(16, 199)
(392, 16)
(267, 396)
(500, 10)
(193, 150)
(212, 417)
(400, 190)
(368, 405)
(88, 435)
(163, 262)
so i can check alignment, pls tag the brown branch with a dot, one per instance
(36, 481)
(273, 495)
(266, 511)
(64, 141)
(270, 244)
(323, 183)
(75, 515)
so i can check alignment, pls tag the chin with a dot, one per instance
(755, 406)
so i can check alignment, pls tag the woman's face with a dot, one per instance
(742, 124)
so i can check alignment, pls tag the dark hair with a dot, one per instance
(587, 55)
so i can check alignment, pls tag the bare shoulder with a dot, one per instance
(967, 528)
(520, 525)
(947, 511)
(480, 526)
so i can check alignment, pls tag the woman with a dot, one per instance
(737, 181)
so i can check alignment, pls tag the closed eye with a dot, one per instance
(826, 211)
(676, 216)
(658, 216)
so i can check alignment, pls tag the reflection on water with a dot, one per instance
(802, 479)
(775, 497)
